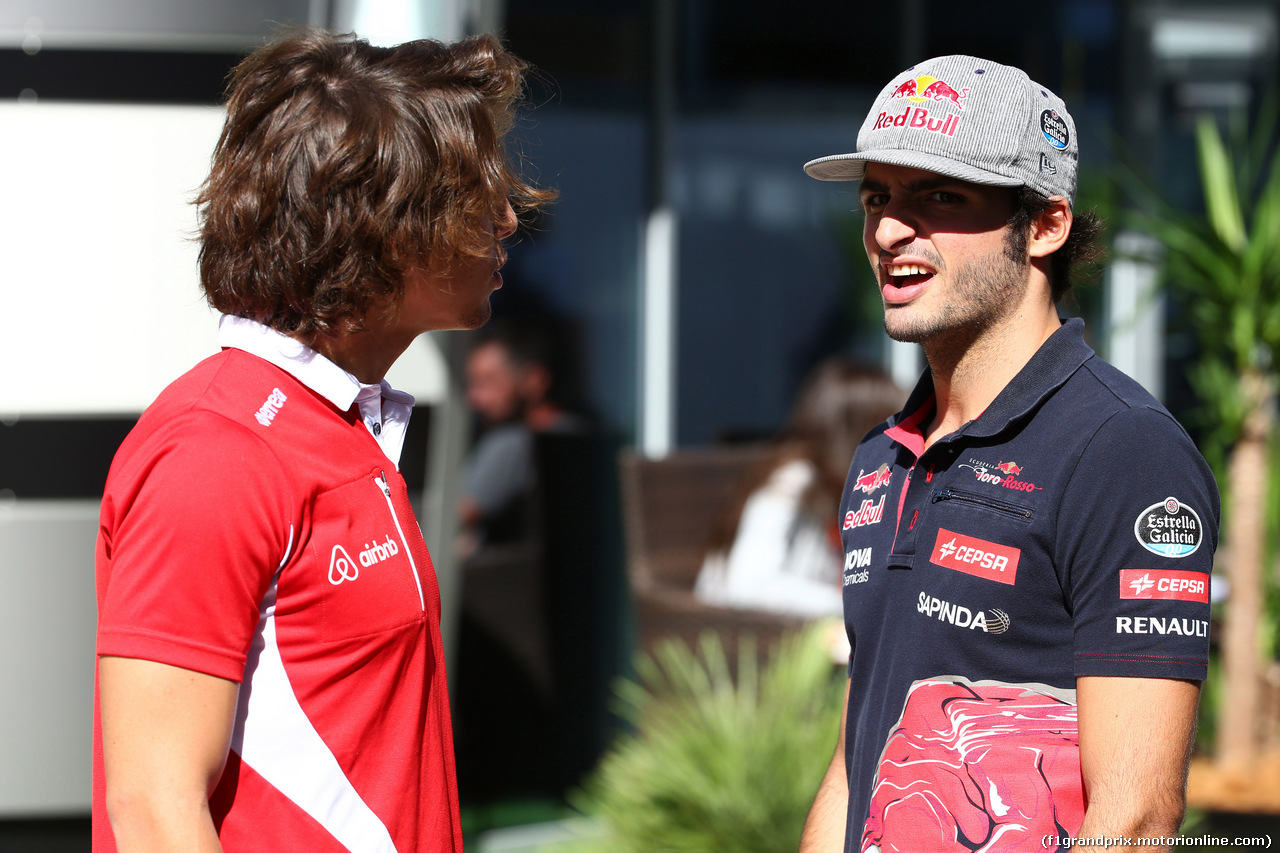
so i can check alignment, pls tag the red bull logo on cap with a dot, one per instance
(924, 89)
(928, 88)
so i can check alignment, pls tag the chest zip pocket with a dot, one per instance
(381, 482)
(983, 501)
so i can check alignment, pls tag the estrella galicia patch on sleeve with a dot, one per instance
(1169, 528)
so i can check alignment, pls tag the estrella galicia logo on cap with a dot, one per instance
(1169, 528)
(1054, 128)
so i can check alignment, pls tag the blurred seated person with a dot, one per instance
(777, 547)
(512, 388)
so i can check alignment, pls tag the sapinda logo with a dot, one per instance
(993, 621)
(1169, 584)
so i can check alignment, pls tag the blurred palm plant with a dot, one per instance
(718, 763)
(1223, 266)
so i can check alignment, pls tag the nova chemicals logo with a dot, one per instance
(853, 561)
(1169, 528)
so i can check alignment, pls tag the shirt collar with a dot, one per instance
(302, 363)
(1051, 366)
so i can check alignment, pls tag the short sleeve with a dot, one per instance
(1137, 530)
(196, 520)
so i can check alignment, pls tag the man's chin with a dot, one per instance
(907, 333)
(477, 318)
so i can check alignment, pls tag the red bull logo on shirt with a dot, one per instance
(866, 514)
(869, 482)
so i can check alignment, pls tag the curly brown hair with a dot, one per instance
(1081, 254)
(343, 164)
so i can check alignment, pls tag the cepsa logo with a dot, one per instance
(1170, 584)
(976, 557)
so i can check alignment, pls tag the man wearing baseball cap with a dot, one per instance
(1027, 597)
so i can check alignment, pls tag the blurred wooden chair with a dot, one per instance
(670, 506)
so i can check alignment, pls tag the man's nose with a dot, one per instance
(507, 222)
(894, 229)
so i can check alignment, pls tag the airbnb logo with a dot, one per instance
(341, 566)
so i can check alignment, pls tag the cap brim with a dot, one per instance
(851, 167)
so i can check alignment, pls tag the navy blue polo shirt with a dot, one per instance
(1068, 530)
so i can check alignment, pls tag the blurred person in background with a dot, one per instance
(1027, 576)
(523, 592)
(514, 387)
(270, 671)
(777, 547)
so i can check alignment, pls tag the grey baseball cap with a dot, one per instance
(967, 118)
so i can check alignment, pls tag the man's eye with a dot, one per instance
(946, 197)
(874, 200)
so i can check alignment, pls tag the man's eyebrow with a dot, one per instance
(922, 185)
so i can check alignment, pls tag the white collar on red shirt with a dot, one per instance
(385, 411)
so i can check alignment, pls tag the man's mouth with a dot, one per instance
(906, 275)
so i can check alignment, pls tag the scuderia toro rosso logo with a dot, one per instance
(1006, 475)
(1169, 528)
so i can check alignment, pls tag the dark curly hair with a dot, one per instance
(343, 164)
(1081, 251)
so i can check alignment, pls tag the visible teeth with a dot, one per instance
(907, 269)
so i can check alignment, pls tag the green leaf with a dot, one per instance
(1221, 199)
(718, 762)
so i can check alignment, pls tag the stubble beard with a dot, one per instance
(478, 317)
(980, 294)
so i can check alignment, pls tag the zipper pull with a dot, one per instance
(382, 481)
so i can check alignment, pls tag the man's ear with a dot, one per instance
(1049, 230)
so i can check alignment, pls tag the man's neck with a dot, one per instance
(969, 371)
